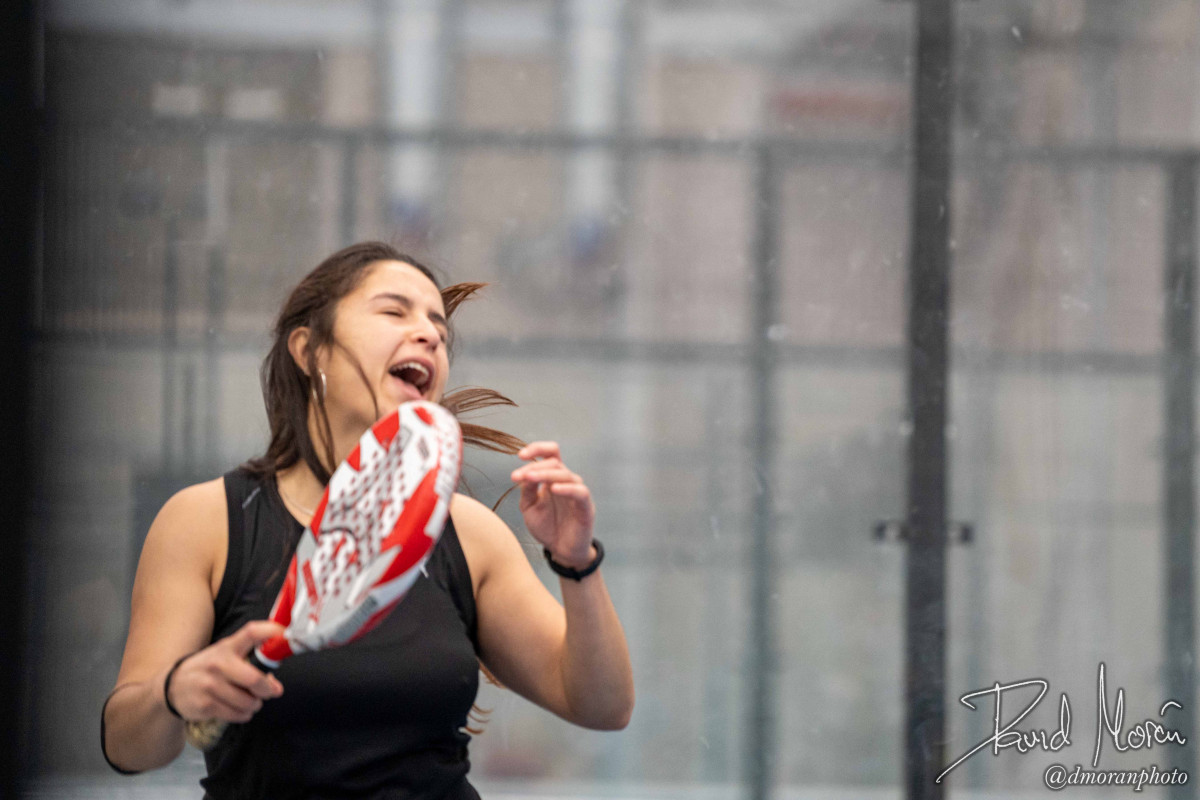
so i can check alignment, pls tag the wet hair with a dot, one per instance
(288, 390)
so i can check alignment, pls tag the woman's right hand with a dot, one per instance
(220, 683)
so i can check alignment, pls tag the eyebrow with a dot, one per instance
(437, 318)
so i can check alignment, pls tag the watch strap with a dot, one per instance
(572, 572)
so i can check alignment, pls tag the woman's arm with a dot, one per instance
(571, 659)
(171, 616)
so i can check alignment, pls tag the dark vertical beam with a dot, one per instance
(760, 723)
(1179, 501)
(929, 302)
(19, 24)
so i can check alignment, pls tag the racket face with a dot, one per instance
(370, 535)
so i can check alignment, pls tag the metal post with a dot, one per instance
(170, 335)
(350, 148)
(760, 727)
(451, 56)
(215, 308)
(1179, 501)
(929, 296)
(188, 426)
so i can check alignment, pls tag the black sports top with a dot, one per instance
(379, 718)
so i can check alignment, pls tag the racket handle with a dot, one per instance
(204, 735)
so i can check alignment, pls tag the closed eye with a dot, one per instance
(400, 314)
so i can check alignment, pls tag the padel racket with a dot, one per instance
(369, 538)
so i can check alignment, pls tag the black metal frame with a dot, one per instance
(1179, 500)
(19, 206)
(928, 368)
(764, 566)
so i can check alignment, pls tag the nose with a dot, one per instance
(427, 333)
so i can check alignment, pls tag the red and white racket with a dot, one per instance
(369, 538)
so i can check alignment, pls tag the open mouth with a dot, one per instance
(414, 373)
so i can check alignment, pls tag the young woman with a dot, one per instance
(367, 330)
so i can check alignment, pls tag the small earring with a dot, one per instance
(324, 383)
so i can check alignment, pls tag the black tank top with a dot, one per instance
(380, 718)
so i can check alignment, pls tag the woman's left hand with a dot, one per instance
(556, 505)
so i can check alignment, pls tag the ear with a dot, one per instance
(297, 343)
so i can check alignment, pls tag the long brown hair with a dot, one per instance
(288, 389)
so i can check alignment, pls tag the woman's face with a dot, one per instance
(394, 326)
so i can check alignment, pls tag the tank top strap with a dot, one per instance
(451, 571)
(241, 489)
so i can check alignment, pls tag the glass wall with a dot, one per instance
(695, 221)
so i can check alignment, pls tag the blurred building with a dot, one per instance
(603, 164)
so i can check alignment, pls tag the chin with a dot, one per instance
(390, 406)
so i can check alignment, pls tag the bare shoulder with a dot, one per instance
(485, 538)
(196, 511)
(470, 513)
(182, 562)
(206, 496)
(190, 532)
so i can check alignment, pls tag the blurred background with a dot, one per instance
(696, 218)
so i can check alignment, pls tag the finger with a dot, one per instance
(552, 475)
(249, 678)
(578, 495)
(235, 700)
(215, 709)
(542, 464)
(577, 490)
(538, 450)
(529, 495)
(253, 634)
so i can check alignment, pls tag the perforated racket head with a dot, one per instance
(375, 527)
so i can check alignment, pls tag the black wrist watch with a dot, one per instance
(571, 572)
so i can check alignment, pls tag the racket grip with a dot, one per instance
(204, 734)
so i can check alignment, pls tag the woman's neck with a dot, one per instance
(298, 486)
(300, 490)
(346, 433)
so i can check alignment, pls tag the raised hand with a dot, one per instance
(556, 504)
